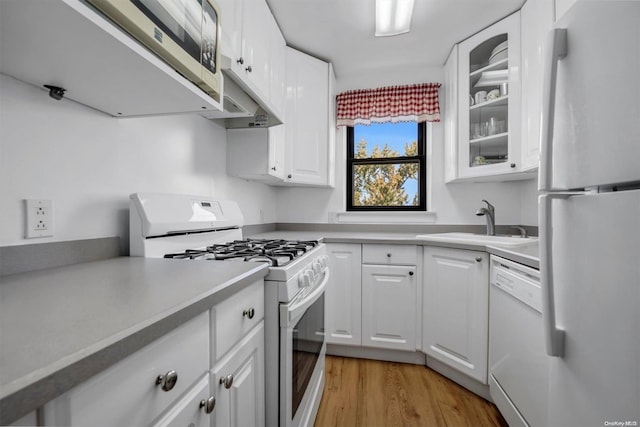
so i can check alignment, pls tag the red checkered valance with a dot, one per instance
(412, 103)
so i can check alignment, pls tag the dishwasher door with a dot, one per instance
(518, 363)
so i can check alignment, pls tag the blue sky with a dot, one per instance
(393, 134)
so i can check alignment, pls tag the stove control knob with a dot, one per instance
(304, 280)
(317, 268)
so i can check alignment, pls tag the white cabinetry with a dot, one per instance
(66, 43)
(309, 114)
(561, 7)
(456, 306)
(256, 154)
(389, 306)
(343, 296)
(174, 381)
(248, 35)
(536, 21)
(127, 393)
(450, 114)
(238, 383)
(372, 297)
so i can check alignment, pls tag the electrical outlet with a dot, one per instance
(39, 221)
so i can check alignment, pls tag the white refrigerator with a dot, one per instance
(589, 212)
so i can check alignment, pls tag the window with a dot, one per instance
(386, 167)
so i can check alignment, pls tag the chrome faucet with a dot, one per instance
(489, 213)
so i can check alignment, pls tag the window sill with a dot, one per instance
(428, 217)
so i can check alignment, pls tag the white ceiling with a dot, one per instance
(341, 31)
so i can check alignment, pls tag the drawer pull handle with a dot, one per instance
(249, 313)
(167, 381)
(411, 273)
(227, 381)
(208, 404)
(388, 255)
(478, 259)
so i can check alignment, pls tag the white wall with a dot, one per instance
(88, 163)
(453, 203)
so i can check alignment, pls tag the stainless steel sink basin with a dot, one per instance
(476, 239)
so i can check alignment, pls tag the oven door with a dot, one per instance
(302, 352)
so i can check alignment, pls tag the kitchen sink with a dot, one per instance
(477, 239)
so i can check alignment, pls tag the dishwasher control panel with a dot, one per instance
(520, 281)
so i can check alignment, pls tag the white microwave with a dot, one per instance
(184, 33)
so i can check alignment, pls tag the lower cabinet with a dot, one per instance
(371, 300)
(343, 297)
(208, 371)
(389, 306)
(237, 382)
(456, 309)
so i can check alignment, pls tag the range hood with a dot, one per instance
(235, 103)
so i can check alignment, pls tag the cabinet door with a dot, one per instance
(238, 383)
(276, 151)
(456, 307)
(343, 300)
(307, 126)
(536, 21)
(489, 130)
(278, 49)
(256, 154)
(389, 306)
(257, 19)
(188, 411)
(231, 18)
(451, 116)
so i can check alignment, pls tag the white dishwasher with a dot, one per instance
(518, 363)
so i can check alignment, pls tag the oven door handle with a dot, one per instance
(289, 313)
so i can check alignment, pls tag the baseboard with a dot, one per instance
(470, 384)
(413, 357)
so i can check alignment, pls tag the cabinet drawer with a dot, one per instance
(231, 319)
(126, 393)
(188, 412)
(389, 254)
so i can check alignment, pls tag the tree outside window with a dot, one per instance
(386, 167)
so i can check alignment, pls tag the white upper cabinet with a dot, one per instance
(483, 107)
(253, 51)
(310, 140)
(278, 71)
(68, 44)
(536, 21)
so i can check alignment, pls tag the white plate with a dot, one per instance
(499, 56)
(500, 47)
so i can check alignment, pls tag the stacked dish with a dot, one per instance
(500, 52)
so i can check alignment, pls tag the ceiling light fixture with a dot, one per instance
(393, 17)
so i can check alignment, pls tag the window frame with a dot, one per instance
(421, 158)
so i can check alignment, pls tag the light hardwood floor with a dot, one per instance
(371, 393)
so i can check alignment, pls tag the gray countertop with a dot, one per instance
(526, 254)
(60, 326)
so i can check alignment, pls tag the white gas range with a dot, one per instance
(199, 228)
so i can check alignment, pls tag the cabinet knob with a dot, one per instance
(289, 176)
(513, 165)
(411, 273)
(240, 60)
(249, 69)
(249, 313)
(478, 259)
(388, 255)
(208, 404)
(168, 380)
(273, 168)
(227, 381)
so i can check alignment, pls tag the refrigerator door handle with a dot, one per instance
(557, 47)
(554, 336)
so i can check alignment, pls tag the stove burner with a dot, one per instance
(276, 252)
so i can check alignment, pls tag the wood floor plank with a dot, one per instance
(371, 393)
